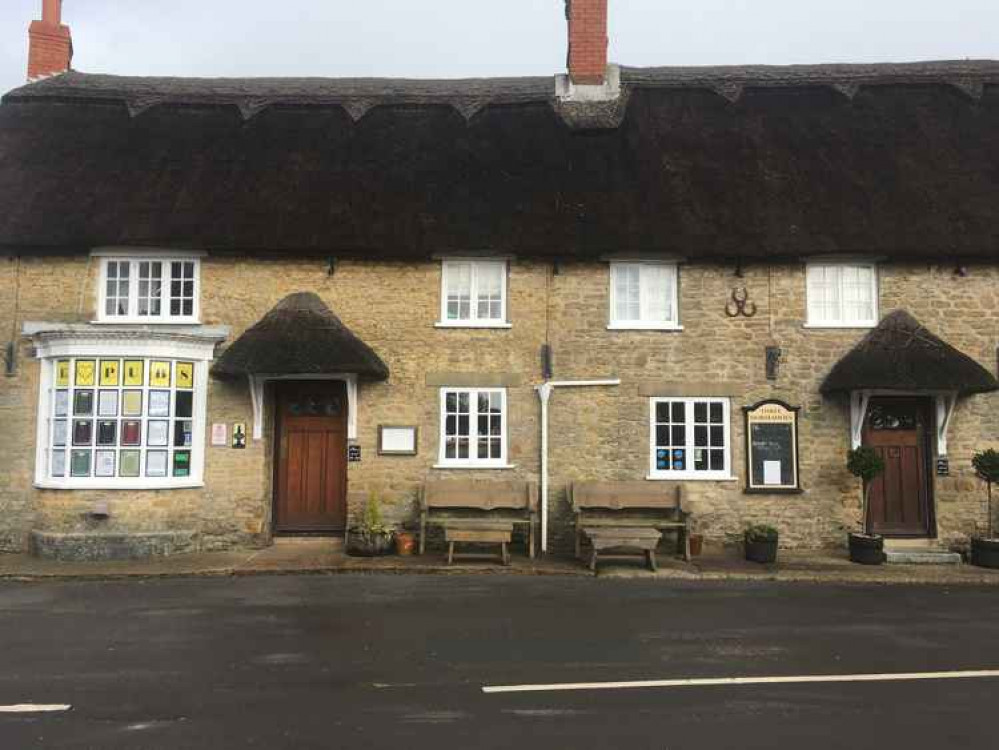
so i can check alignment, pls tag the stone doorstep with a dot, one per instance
(922, 557)
(919, 552)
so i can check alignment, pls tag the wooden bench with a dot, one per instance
(465, 505)
(641, 538)
(631, 506)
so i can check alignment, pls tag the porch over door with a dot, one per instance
(900, 501)
(311, 473)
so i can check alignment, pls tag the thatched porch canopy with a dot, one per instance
(300, 336)
(902, 355)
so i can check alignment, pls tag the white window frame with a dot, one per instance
(472, 462)
(50, 352)
(134, 258)
(725, 474)
(810, 269)
(474, 321)
(616, 324)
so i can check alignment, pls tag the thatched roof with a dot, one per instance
(711, 163)
(901, 355)
(300, 336)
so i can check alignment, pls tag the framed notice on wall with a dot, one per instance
(396, 440)
(772, 447)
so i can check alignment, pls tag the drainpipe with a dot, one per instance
(544, 393)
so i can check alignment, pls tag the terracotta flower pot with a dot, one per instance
(405, 542)
(696, 544)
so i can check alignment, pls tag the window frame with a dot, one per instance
(615, 324)
(134, 259)
(50, 353)
(473, 462)
(474, 321)
(689, 474)
(812, 266)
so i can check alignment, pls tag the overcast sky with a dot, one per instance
(453, 38)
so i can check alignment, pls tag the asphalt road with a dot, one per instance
(400, 662)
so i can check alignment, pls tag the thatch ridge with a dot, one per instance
(900, 354)
(299, 336)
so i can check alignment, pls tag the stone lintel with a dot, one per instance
(474, 379)
(685, 388)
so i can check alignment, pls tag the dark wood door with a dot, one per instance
(899, 430)
(310, 491)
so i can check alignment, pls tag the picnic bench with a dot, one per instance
(481, 512)
(628, 515)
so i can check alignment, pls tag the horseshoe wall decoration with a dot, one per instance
(740, 304)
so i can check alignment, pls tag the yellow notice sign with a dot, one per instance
(85, 370)
(159, 374)
(185, 375)
(62, 373)
(133, 372)
(109, 372)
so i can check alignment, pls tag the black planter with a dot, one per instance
(867, 550)
(985, 553)
(761, 550)
(369, 545)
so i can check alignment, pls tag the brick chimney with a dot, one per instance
(51, 47)
(587, 41)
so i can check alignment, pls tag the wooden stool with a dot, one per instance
(482, 532)
(642, 538)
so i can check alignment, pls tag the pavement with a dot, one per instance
(323, 556)
(389, 661)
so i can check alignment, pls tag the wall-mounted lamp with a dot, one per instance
(738, 268)
(10, 359)
(960, 270)
(331, 266)
(546, 362)
(556, 268)
(773, 362)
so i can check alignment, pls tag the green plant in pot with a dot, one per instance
(866, 548)
(985, 550)
(761, 543)
(370, 537)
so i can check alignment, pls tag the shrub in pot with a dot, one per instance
(369, 537)
(865, 548)
(761, 543)
(985, 550)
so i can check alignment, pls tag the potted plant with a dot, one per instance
(370, 537)
(761, 543)
(985, 550)
(866, 464)
(405, 540)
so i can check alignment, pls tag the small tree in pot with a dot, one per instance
(370, 537)
(866, 464)
(985, 550)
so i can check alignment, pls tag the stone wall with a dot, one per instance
(596, 433)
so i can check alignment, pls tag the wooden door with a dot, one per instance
(901, 497)
(310, 492)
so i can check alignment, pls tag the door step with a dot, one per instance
(918, 552)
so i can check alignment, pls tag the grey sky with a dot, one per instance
(449, 38)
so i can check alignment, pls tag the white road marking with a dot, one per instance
(31, 708)
(716, 681)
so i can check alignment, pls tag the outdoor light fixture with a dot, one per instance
(773, 362)
(960, 270)
(10, 359)
(331, 266)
